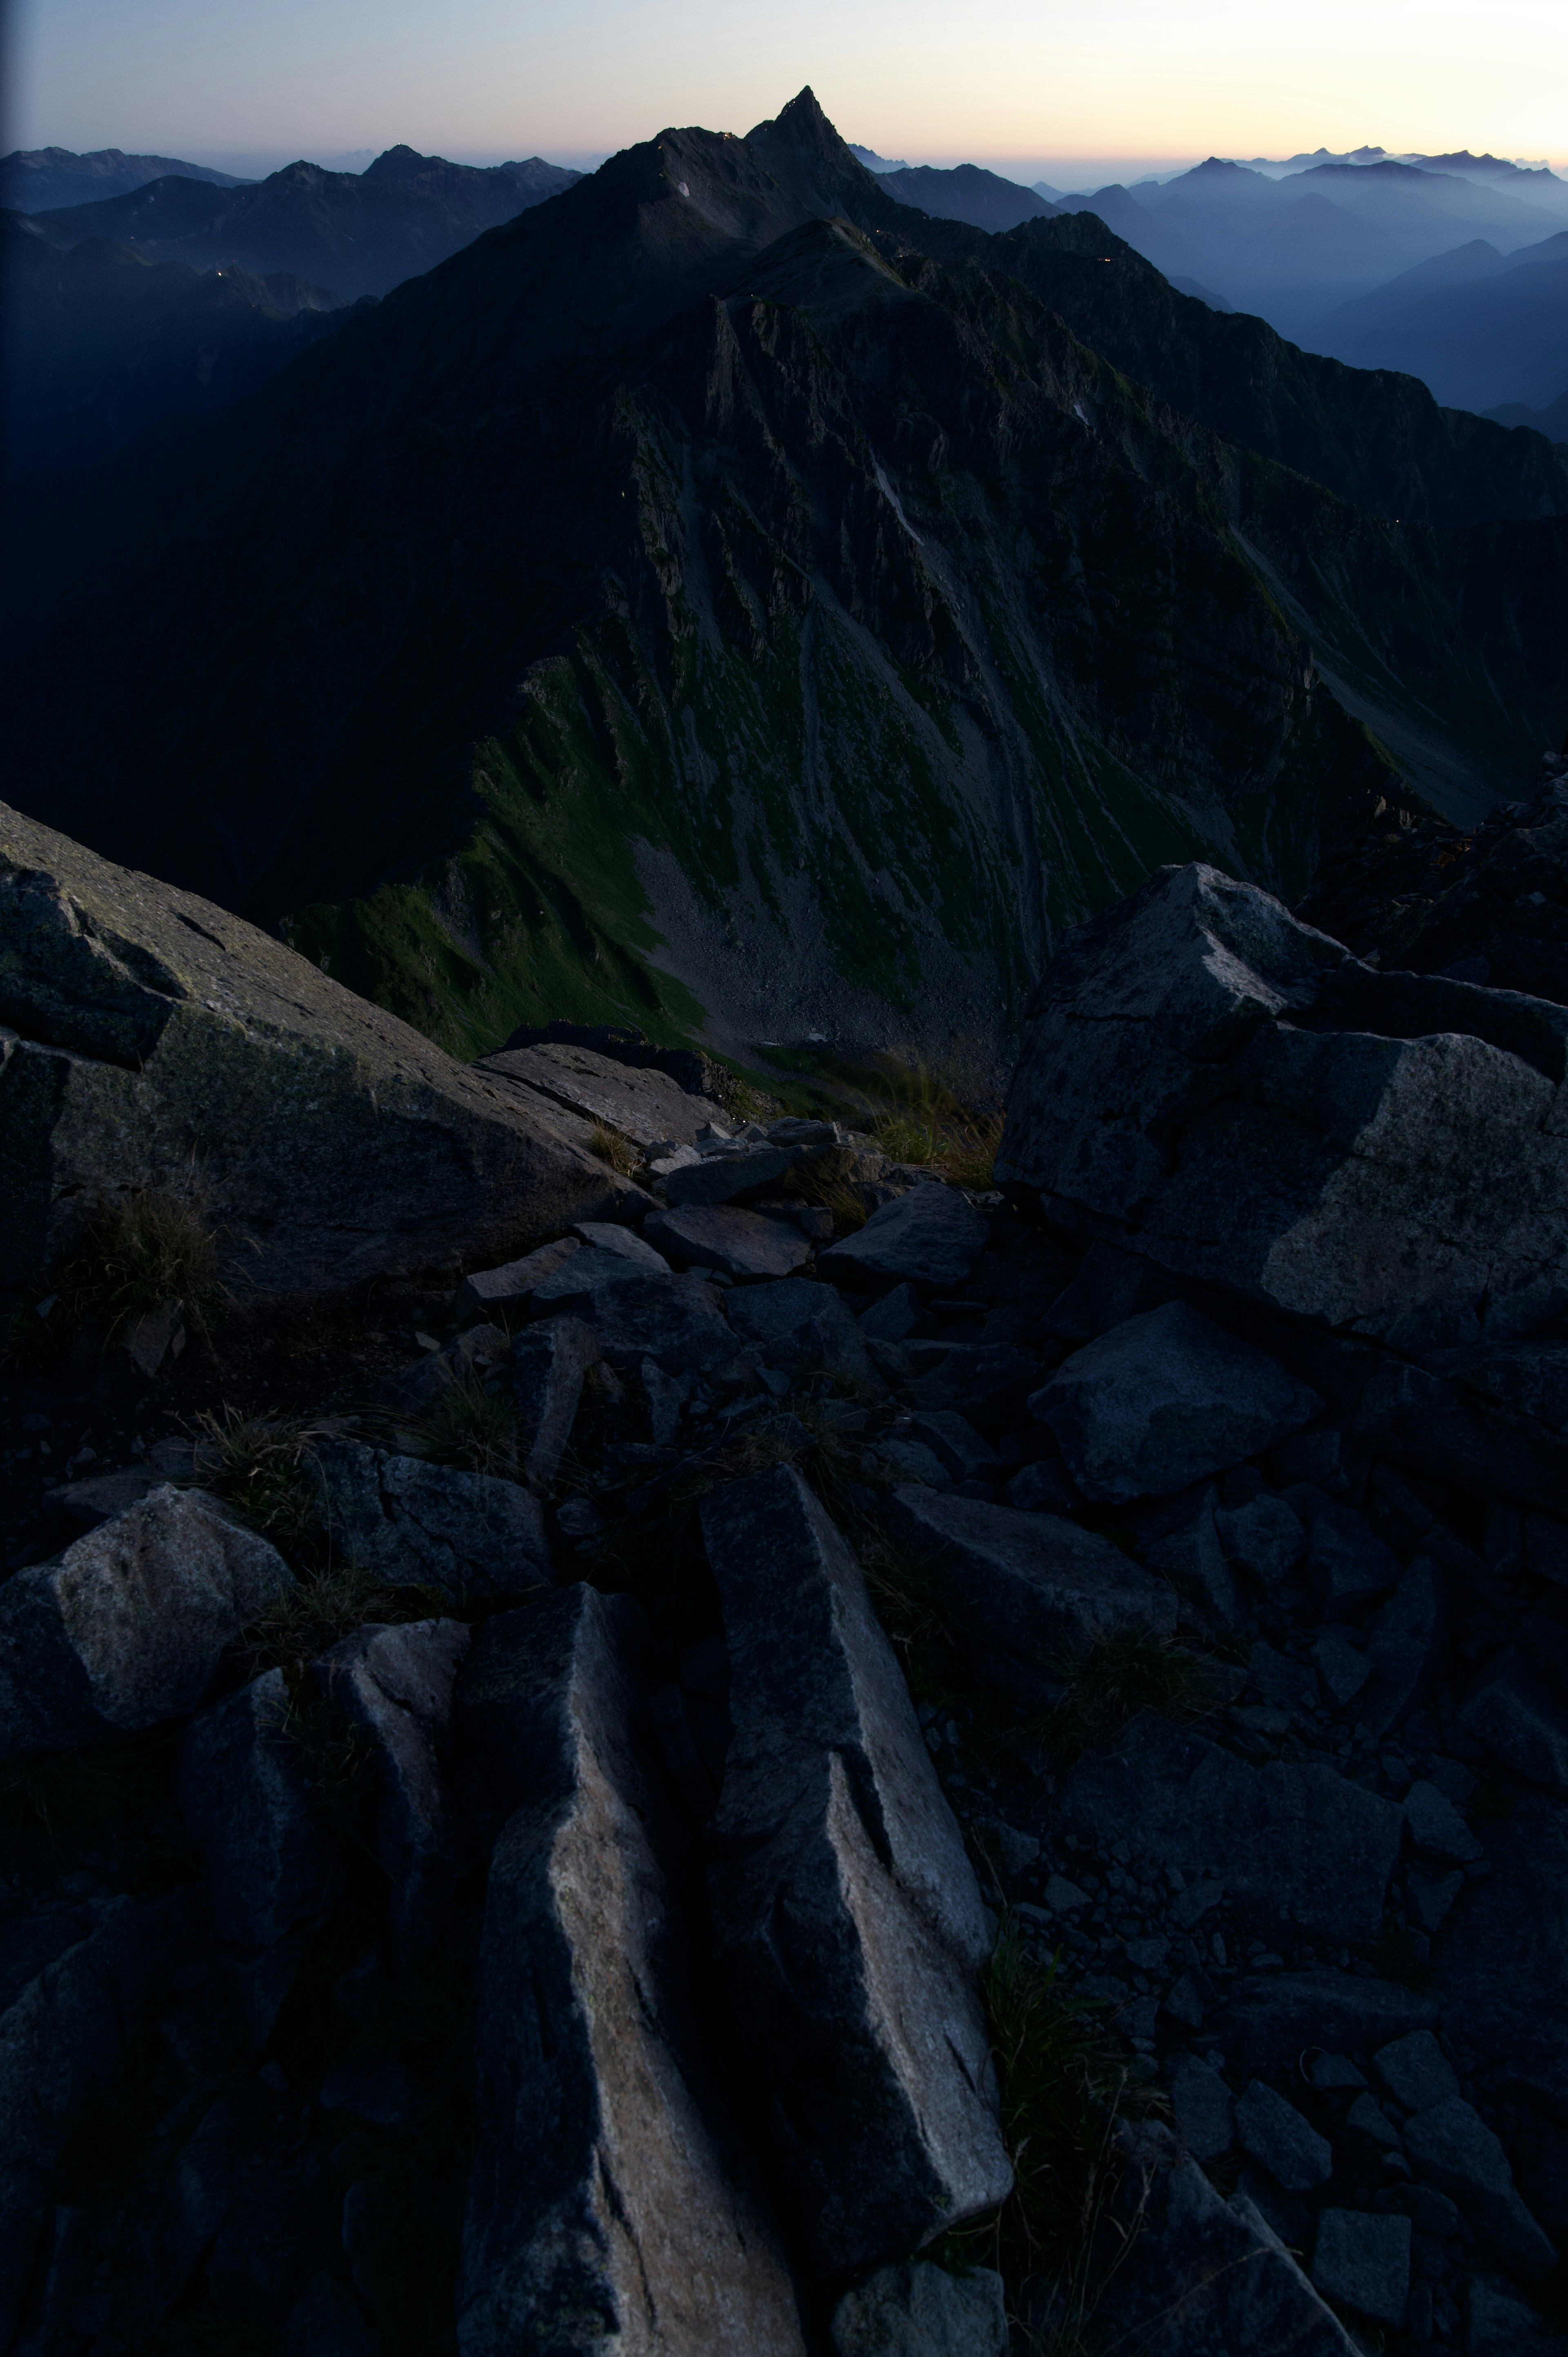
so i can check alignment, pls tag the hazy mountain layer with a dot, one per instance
(358, 232)
(966, 193)
(33, 179)
(1479, 327)
(726, 594)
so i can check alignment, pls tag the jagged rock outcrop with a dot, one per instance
(151, 1041)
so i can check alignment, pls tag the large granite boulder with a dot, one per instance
(1212, 1084)
(143, 1029)
(602, 2212)
(848, 1917)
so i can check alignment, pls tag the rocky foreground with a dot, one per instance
(531, 1853)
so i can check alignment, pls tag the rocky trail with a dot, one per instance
(729, 1746)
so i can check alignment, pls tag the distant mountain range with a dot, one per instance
(357, 233)
(1479, 327)
(1298, 246)
(43, 177)
(965, 193)
(728, 598)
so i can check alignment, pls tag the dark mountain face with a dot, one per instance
(967, 193)
(360, 233)
(728, 593)
(33, 180)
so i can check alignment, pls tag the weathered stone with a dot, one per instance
(1388, 1168)
(804, 1328)
(1494, 1423)
(1363, 2262)
(1502, 1967)
(719, 1177)
(602, 2212)
(1430, 1896)
(1289, 2147)
(931, 1236)
(1280, 1682)
(624, 1243)
(1436, 1827)
(1193, 1558)
(848, 1917)
(638, 1314)
(1188, 2274)
(644, 1105)
(245, 1791)
(1519, 1720)
(892, 1318)
(1204, 2112)
(467, 1360)
(415, 1525)
(1342, 1667)
(1025, 1592)
(548, 1364)
(1263, 1537)
(1044, 1488)
(1416, 2072)
(1347, 1564)
(1453, 2146)
(126, 1627)
(1499, 2323)
(742, 1244)
(1163, 1400)
(485, 1290)
(396, 1684)
(921, 2310)
(955, 1440)
(1272, 2019)
(64, 2034)
(903, 1459)
(1300, 1844)
(1404, 1650)
(98, 1497)
(1368, 2119)
(336, 1144)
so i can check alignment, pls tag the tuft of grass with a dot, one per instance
(612, 1147)
(1064, 2088)
(467, 1427)
(317, 1610)
(1124, 1672)
(835, 1193)
(150, 1249)
(906, 1595)
(261, 1465)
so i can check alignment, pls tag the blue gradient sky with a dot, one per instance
(1030, 87)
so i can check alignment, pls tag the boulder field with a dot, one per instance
(544, 1870)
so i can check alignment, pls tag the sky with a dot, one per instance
(1032, 87)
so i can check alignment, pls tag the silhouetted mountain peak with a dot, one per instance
(803, 125)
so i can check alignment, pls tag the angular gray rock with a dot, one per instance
(848, 1918)
(64, 2034)
(1389, 1166)
(1404, 1650)
(1347, 1565)
(1023, 1592)
(245, 1791)
(625, 1243)
(921, 2310)
(1500, 2324)
(931, 1236)
(415, 1525)
(1494, 1422)
(602, 2212)
(548, 1364)
(1193, 1558)
(1363, 2262)
(1289, 2147)
(639, 1314)
(962, 1450)
(1416, 2072)
(1342, 1667)
(1264, 1537)
(126, 1627)
(336, 1143)
(1202, 2277)
(396, 1684)
(742, 1243)
(1298, 1843)
(804, 1328)
(1204, 2111)
(469, 1359)
(718, 1177)
(1499, 1964)
(1272, 2019)
(642, 1105)
(486, 1290)
(1165, 1399)
(1453, 2148)
(1515, 1714)
(1436, 1827)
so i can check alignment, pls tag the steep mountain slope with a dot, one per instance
(966, 193)
(358, 232)
(728, 595)
(1478, 336)
(33, 179)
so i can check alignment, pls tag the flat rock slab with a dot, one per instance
(245, 1791)
(638, 1314)
(488, 1289)
(803, 1328)
(921, 2310)
(848, 1917)
(1301, 1845)
(415, 1525)
(1363, 2262)
(1163, 1400)
(931, 1236)
(719, 1177)
(641, 1103)
(396, 1685)
(349, 1145)
(1270, 2020)
(601, 2212)
(127, 1628)
(742, 1243)
(1025, 1592)
(606, 1236)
